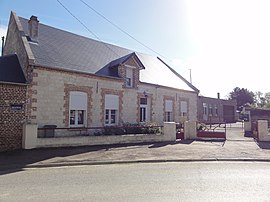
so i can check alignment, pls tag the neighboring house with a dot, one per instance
(216, 110)
(13, 88)
(76, 81)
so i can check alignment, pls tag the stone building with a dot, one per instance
(216, 110)
(76, 81)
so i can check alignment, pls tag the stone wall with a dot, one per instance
(12, 117)
(30, 140)
(49, 104)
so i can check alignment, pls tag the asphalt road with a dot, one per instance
(213, 181)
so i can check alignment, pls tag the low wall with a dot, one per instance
(31, 141)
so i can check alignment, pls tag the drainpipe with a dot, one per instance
(3, 41)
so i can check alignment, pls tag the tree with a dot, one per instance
(259, 99)
(242, 96)
(267, 100)
(262, 100)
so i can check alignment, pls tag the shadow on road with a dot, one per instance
(15, 161)
(164, 144)
(263, 145)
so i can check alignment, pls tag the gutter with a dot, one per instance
(13, 83)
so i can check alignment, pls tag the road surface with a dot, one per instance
(192, 181)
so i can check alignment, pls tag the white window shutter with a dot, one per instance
(78, 100)
(184, 106)
(112, 102)
(168, 105)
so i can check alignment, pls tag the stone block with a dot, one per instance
(29, 140)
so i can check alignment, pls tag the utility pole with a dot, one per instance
(190, 78)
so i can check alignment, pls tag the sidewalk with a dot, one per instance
(234, 149)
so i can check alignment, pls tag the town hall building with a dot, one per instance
(74, 81)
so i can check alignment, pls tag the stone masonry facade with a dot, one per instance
(52, 87)
(17, 43)
(12, 116)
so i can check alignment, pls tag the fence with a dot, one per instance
(212, 130)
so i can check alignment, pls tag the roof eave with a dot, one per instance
(182, 78)
(168, 87)
(14, 83)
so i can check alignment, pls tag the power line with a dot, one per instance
(119, 28)
(91, 32)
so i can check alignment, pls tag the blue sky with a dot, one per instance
(226, 43)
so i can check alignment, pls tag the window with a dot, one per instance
(110, 117)
(129, 77)
(168, 116)
(142, 114)
(168, 110)
(210, 112)
(77, 109)
(143, 109)
(129, 83)
(205, 109)
(77, 117)
(216, 110)
(183, 108)
(111, 109)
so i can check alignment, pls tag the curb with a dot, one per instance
(82, 163)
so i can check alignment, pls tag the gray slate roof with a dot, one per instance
(64, 50)
(10, 70)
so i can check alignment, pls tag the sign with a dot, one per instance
(16, 107)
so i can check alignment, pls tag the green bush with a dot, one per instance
(110, 130)
(128, 128)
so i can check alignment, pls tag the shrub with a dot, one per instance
(110, 130)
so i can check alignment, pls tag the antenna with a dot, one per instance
(190, 78)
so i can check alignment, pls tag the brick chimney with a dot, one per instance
(33, 28)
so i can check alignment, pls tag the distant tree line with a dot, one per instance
(244, 96)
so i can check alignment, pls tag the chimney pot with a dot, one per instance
(218, 95)
(33, 28)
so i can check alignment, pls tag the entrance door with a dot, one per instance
(144, 116)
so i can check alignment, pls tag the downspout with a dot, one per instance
(3, 41)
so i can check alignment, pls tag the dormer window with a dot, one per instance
(129, 77)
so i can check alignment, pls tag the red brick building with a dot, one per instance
(12, 103)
